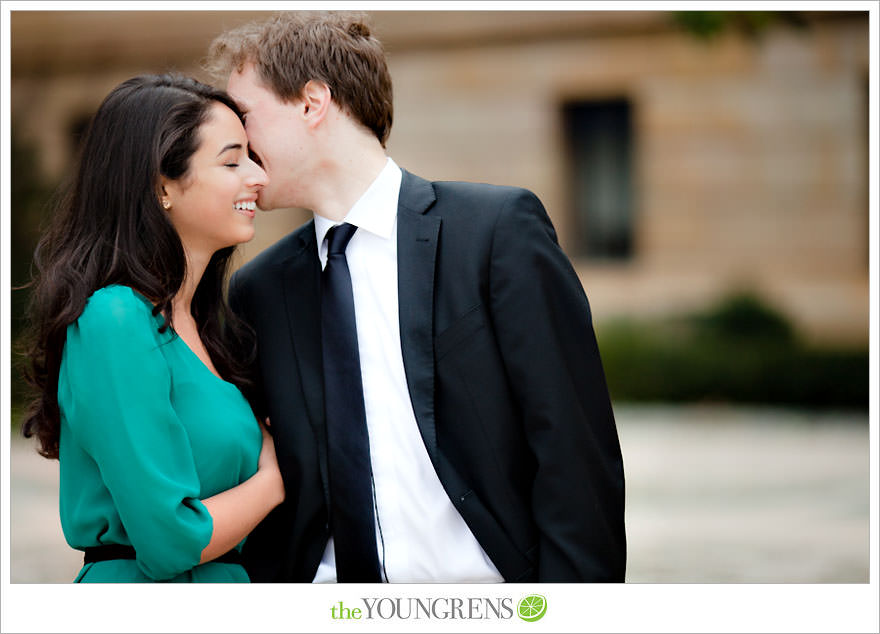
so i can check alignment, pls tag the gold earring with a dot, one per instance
(166, 204)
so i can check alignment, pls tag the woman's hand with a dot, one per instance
(237, 511)
(267, 464)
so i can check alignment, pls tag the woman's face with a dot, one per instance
(213, 205)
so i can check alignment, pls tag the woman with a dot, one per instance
(138, 363)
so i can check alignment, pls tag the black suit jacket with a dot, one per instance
(503, 373)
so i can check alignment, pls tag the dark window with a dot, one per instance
(599, 135)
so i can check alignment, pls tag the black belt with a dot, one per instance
(118, 551)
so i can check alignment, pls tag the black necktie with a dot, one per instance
(348, 444)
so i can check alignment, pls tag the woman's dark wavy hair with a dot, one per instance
(109, 228)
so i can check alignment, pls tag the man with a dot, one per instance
(436, 395)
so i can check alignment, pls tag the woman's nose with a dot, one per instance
(257, 176)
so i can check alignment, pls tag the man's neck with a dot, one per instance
(344, 177)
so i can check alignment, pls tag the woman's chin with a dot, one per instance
(248, 235)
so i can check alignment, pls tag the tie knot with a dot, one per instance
(338, 237)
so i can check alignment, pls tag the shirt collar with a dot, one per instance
(375, 211)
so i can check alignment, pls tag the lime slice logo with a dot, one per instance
(532, 607)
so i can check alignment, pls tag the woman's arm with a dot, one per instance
(238, 510)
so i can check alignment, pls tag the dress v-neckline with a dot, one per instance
(198, 359)
(190, 351)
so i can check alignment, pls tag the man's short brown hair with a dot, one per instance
(294, 47)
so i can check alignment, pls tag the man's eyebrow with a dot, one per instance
(230, 146)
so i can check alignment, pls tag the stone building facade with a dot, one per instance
(675, 169)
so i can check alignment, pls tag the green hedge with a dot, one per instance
(740, 350)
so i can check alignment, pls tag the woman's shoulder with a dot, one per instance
(116, 306)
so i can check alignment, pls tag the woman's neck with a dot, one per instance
(181, 304)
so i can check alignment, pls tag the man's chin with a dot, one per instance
(268, 203)
(265, 204)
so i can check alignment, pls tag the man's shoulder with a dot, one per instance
(457, 187)
(274, 256)
(476, 201)
(474, 188)
(457, 193)
(482, 209)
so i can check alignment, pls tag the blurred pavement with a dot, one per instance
(733, 495)
(715, 494)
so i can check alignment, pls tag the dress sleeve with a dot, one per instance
(120, 412)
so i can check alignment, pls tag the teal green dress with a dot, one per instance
(147, 432)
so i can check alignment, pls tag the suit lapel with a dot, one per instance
(417, 236)
(302, 295)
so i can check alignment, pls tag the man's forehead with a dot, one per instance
(243, 83)
(237, 89)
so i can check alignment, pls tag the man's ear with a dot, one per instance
(316, 99)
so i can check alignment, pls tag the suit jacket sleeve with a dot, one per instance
(543, 325)
(264, 549)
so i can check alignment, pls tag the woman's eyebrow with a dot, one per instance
(230, 146)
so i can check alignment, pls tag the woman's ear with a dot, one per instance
(164, 198)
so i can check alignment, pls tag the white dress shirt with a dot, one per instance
(421, 537)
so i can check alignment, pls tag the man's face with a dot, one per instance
(276, 135)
